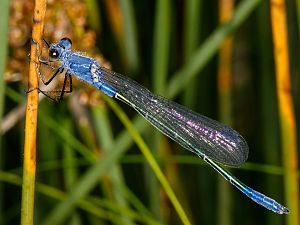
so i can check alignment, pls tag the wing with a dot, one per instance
(197, 133)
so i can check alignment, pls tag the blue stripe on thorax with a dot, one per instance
(86, 69)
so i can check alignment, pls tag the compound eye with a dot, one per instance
(53, 53)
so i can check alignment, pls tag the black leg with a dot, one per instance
(63, 91)
(37, 47)
(46, 43)
(70, 84)
(44, 93)
(45, 62)
(58, 71)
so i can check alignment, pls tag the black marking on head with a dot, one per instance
(65, 43)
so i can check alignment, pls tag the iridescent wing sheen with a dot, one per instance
(195, 132)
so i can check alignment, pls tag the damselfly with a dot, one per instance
(212, 141)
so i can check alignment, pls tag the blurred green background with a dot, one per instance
(172, 48)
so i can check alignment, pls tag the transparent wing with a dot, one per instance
(197, 133)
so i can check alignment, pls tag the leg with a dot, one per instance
(63, 91)
(37, 47)
(46, 43)
(44, 93)
(58, 71)
(45, 62)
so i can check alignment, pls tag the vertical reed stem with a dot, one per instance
(29, 166)
(286, 109)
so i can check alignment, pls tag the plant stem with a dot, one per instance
(29, 166)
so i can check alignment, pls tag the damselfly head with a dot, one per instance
(56, 51)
